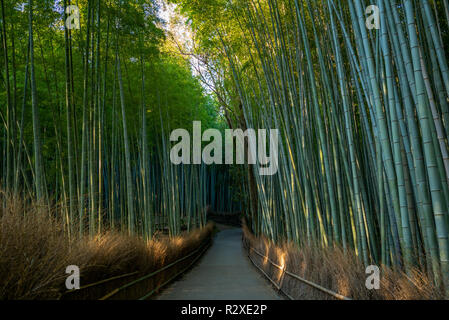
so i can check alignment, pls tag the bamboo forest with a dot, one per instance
(319, 149)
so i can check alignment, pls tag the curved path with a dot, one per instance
(223, 273)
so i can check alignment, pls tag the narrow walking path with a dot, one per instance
(224, 273)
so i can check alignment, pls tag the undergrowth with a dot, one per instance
(341, 272)
(35, 251)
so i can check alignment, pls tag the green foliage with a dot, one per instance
(102, 135)
(171, 91)
(363, 115)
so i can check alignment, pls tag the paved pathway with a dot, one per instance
(223, 273)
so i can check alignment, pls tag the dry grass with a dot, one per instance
(35, 251)
(332, 269)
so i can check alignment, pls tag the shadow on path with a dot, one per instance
(224, 273)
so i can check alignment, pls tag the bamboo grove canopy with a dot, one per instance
(86, 115)
(363, 114)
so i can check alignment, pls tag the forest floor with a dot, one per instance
(224, 273)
